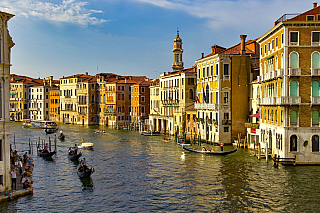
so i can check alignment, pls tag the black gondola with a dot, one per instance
(45, 154)
(61, 137)
(210, 152)
(84, 171)
(50, 131)
(74, 157)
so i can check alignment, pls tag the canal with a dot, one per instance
(136, 173)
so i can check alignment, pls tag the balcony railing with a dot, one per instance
(279, 73)
(315, 100)
(226, 77)
(288, 100)
(252, 125)
(315, 71)
(294, 71)
(268, 101)
(207, 106)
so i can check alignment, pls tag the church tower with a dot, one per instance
(177, 53)
(6, 44)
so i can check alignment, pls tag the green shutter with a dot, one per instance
(315, 117)
(293, 116)
(315, 89)
(294, 60)
(293, 89)
(315, 60)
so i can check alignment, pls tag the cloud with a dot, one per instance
(70, 11)
(219, 14)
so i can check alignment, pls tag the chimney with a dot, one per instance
(315, 5)
(243, 44)
(86, 73)
(202, 55)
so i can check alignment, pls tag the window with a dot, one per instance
(315, 38)
(294, 38)
(293, 118)
(293, 89)
(272, 44)
(142, 89)
(310, 18)
(315, 118)
(293, 143)
(1, 151)
(226, 129)
(282, 61)
(315, 89)
(211, 70)
(225, 97)
(142, 109)
(217, 69)
(315, 60)
(277, 42)
(142, 99)
(203, 72)
(282, 38)
(225, 69)
(294, 60)
(207, 71)
(265, 49)
(269, 46)
(315, 143)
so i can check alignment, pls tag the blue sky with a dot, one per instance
(130, 37)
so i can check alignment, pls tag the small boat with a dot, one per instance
(86, 145)
(41, 153)
(209, 152)
(146, 133)
(99, 131)
(73, 157)
(84, 171)
(184, 144)
(61, 137)
(166, 139)
(50, 131)
(39, 124)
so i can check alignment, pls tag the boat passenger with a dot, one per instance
(46, 148)
(75, 149)
(204, 149)
(84, 161)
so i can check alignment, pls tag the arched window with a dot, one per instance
(92, 98)
(315, 143)
(315, 118)
(282, 61)
(265, 115)
(276, 63)
(315, 89)
(294, 60)
(104, 98)
(276, 91)
(265, 67)
(276, 117)
(272, 116)
(293, 143)
(191, 94)
(315, 60)
(293, 89)
(268, 115)
(281, 89)
(293, 118)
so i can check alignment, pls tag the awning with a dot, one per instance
(270, 57)
(257, 115)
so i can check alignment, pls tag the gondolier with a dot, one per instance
(221, 146)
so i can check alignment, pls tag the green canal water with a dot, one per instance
(136, 173)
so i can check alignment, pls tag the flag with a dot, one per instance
(198, 100)
(204, 96)
(257, 115)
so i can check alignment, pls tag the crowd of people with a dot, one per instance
(23, 166)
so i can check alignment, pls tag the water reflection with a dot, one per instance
(145, 174)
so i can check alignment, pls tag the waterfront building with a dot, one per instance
(289, 77)
(6, 44)
(140, 101)
(68, 97)
(223, 79)
(19, 98)
(54, 105)
(177, 91)
(38, 99)
(155, 105)
(87, 101)
(191, 123)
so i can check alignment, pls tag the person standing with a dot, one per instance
(75, 149)
(221, 146)
(14, 179)
(20, 165)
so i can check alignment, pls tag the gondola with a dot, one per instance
(45, 154)
(50, 131)
(61, 137)
(74, 157)
(209, 152)
(83, 173)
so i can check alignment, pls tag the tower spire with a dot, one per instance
(177, 53)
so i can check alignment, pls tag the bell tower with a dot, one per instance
(177, 53)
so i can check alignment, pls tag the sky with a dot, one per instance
(130, 37)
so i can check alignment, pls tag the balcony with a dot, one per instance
(252, 125)
(268, 101)
(294, 71)
(226, 122)
(13, 109)
(288, 100)
(207, 106)
(34, 109)
(226, 77)
(315, 71)
(315, 100)
(279, 73)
